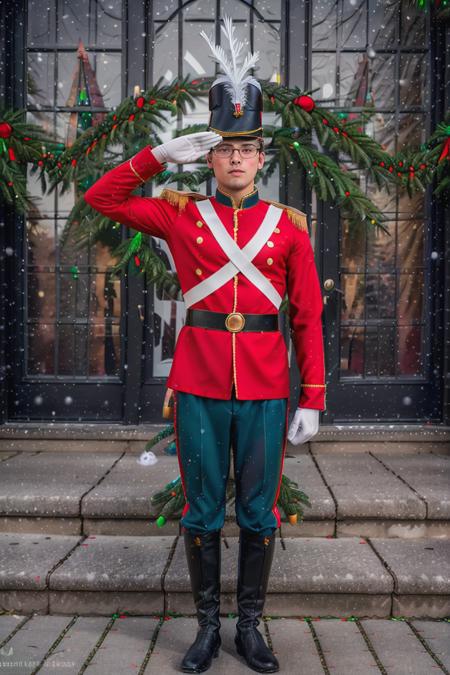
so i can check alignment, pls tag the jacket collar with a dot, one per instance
(246, 202)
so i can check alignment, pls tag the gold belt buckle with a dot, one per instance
(235, 322)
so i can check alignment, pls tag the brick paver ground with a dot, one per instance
(119, 644)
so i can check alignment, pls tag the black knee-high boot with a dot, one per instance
(203, 553)
(255, 560)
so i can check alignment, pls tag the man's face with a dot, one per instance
(237, 170)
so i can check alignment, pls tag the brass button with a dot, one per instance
(269, 261)
(235, 322)
(199, 240)
(277, 230)
(199, 223)
(270, 244)
(198, 271)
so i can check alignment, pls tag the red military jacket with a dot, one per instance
(207, 362)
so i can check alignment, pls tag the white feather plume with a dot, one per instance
(234, 71)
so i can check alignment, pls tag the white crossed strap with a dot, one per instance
(240, 258)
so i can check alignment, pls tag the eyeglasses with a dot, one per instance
(246, 151)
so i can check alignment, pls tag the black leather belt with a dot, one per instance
(233, 322)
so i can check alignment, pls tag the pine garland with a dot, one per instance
(21, 143)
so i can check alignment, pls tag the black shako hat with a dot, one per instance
(235, 99)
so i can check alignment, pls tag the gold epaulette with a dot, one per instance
(295, 216)
(180, 198)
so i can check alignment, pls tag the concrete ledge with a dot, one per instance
(401, 529)
(27, 559)
(299, 604)
(49, 484)
(109, 431)
(421, 606)
(361, 483)
(101, 603)
(40, 525)
(419, 566)
(116, 564)
(24, 601)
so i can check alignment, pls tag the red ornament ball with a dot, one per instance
(140, 102)
(305, 102)
(5, 130)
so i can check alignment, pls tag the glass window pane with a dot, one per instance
(352, 351)
(74, 296)
(381, 248)
(382, 80)
(69, 253)
(165, 52)
(352, 286)
(105, 297)
(41, 302)
(323, 78)
(413, 80)
(104, 349)
(413, 31)
(353, 25)
(108, 24)
(72, 349)
(353, 79)
(44, 202)
(73, 22)
(383, 130)
(267, 42)
(235, 8)
(41, 79)
(40, 242)
(410, 360)
(410, 299)
(163, 9)
(40, 348)
(41, 18)
(103, 73)
(380, 296)
(324, 25)
(197, 61)
(410, 245)
(380, 351)
(383, 22)
(352, 248)
(412, 131)
(202, 9)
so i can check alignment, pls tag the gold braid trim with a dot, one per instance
(295, 216)
(180, 198)
(135, 172)
(313, 385)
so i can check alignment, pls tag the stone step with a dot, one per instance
(152, 644)
(311, 576)
(96, 436)
(352, 494)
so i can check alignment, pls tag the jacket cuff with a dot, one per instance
(313, 396)
(144, 164)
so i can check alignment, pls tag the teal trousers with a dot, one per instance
(205, 431)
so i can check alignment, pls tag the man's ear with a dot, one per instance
(209, 160)
(261, 159)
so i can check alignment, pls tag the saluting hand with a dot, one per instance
(187, 148)
(304, 425)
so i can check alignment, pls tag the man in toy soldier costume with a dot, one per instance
(236, 255)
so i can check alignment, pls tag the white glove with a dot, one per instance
(305, 425)
(187, 148)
